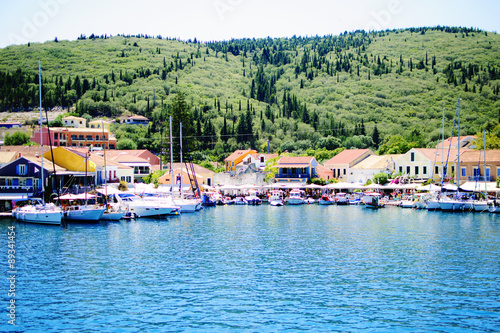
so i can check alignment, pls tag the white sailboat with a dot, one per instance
(39, 212)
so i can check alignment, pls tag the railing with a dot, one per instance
(479, 178)
(301, 175)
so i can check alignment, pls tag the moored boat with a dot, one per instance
(326, 200)
(296, 197)
(81, 207)
(276, 198)
(372, 200)
(38, 212)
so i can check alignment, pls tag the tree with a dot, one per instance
(181, 113)
(16, 139)
(396, 145)
(376, 137)
(126, 144)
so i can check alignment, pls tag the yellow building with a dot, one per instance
(427, 163)
(100, 124)
(236, 158)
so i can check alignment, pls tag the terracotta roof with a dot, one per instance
(295, 160)
(347, 156)
(477, 156)
(430, 154)
(377, 162)
(7, 157)
(237, 154)
(323, 172)
(454, 140)
(137, 117)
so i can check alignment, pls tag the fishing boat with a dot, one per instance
(296, 197)
(326, 200)
(372, 200)
(81, 207)
(252, 198)
(276, 198)
(37, 211)
(341, 198)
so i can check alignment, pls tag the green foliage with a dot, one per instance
(123, 186)
(380, 178)
(153, 177)
(300, 92)
(126, 144)
(16, 139)
(492, 139)
(396, 145)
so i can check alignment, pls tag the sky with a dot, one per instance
(215, 20)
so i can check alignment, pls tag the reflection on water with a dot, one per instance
(245, 268)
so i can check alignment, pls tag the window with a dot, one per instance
(401, 169)
(463, 172)
(436, 170)
(498, 172)
(412, 157)
(424, 170)
(21, 169)
(487, 173)
(416, 170)
(129, 179)
(453, 169)
(262, 159)
(407, 169)
(475, 172)
(345, 171)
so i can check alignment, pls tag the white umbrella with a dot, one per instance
(429, 188)
(313, 186)
(450, 187)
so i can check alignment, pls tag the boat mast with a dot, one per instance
(458, 153)
(171, 159)
(180, 135)
(442, 150)
(41, 134)
(485, 190)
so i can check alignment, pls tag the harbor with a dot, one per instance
(262, 268)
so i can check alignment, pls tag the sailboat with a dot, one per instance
(82, 207)
(40, 212)
(482, 205)
(457, 203)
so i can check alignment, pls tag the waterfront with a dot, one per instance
(245, 268)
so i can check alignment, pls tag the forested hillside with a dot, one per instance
(354, 90)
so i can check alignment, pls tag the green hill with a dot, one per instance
(300, 92)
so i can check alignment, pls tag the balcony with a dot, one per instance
(295, 176)
(479, 179)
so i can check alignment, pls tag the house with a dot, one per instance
(370, 166)
(137, 120)
(100, 124)
(341, 163)
(7, 157)
(453, 142)
(425, 163)
(204, 176)
(323, 172)
(75, 137)
(472, 166)
(296, 169)
(258, 159)
(21, 178)
(10, 125)
(75, 122)
(236, 158)
(140, 161)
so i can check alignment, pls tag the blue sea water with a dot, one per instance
(260, 269)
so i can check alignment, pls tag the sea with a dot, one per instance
(308, 268)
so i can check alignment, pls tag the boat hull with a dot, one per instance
(39, 216)
(83, 213)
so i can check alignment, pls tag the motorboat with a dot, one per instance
(309, 200)
(326, 200)
(137, 207)
(240, 201)
(36, 211)
(494, 206)
(372, 200)
(296, 197)
(341, 198)
(252, 198)
(276, 198)
(407, 202)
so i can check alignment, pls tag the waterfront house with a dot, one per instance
(324, 172)
(472, 166)
(141, 161)
(137, 120)
(427, 163)
(341, 163)
(370, 166)
(75, 122)
(236, 158)
(21, 179)
(296, 169)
